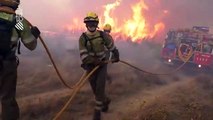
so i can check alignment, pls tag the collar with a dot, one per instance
(7, 10)
(91, 33)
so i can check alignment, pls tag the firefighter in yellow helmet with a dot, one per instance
(11, 30)
(92, 46)
(107, 28)
(109, 55)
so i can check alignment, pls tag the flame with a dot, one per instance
(135, 27)
(76, 25)
(108, 11)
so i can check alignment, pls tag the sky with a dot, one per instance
(49, 14)
(53, 14)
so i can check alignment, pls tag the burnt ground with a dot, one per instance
(185, 95)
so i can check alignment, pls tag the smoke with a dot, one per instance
(54, 15)
(186, 13)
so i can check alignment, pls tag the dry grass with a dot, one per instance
(187, 100)
(135, 96)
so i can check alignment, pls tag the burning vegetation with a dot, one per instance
(135, 26)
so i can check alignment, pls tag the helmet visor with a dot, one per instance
(92, 24)
(108, 31)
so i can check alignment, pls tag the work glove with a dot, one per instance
(116, 57)
(35, 31)
(98, 62)
(90, 62)
(87, 67)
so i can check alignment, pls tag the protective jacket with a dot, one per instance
(11, 31)
(95, 46)
(20, 30)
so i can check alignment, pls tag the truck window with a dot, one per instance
(207, 48)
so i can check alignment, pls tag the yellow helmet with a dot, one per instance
(107, 27)
(10, 3)
(91, 17)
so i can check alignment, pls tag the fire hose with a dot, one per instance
(121, 61)
(85, 76)
(124, 62)
(77, 86)
(74, 92)
(71, 87)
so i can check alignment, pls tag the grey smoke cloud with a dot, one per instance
(181, 13)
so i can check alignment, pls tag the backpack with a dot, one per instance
(6, 28)
(87, 39)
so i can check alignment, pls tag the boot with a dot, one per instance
(106, 103)
(97, 115)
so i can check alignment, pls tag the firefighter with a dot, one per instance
(92, 44)
(107, 29)
(11, 30)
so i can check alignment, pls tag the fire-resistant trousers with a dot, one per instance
(97, 82)
(8, 81)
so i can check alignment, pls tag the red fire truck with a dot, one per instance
(193, 45)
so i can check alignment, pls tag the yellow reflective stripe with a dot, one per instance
(102, 57)
(100, 53)
(83, 50)
(98, 108)
(84, 56)
(110, 45)
(6, 16)
(99, 105)
(98, 102)
(110, 56)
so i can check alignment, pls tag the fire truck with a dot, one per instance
(194, 45)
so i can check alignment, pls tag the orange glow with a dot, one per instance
(135, 27)
(166, 11)
(76, 25)
(107, 14)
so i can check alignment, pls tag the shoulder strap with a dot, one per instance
(6, 27)
(102, 34)
(19, 43)
(19, 47)
(86, 38)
